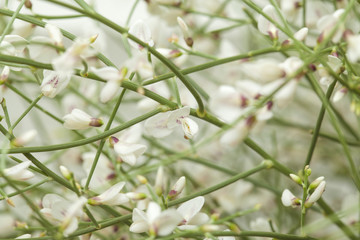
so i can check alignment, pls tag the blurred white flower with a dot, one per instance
(265, 26)
(335, 64)
(111, 197)
(142, 31)
(327, 23)
(55, 34)
(54, 82)
(13, 45)
(79, 119)
(114, 77)
(316, 194)
(19, 171)
(177, 188)
(190, 211)
(353, 48)
(163, 124)
(24, 138)
(155, 221)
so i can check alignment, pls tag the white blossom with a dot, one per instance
(288, 199)
(19, 171)
(155, 221)
(79, 119)
(111, 197)
(142, 31)
(54, 82)
(190, 211)
(327, 23)
(265, 26)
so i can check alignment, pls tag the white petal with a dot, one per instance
(199, 219)
(301, 34)
(139, 227)
(107, 73)
(55, 33)
(153, 211)
(156, 126)
(189, 127)
(287, 198)
(264, 25)
(109, 91)
(190, 208)
(111, 192)
(174, 117)
(142, 31)
(77, 119)
(317, 193)
(167, 222)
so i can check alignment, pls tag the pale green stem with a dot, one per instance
(11, 22)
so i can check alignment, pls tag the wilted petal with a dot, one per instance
(189, 127)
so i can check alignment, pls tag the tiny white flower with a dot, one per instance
(288, 199)
(55, 34)
(185, 31)
(129, 152)
(4, 74)
(265, 26)
(190, 211)
(327, 23)
(339, 94)
(114, 77)
(110, 197)
(54, 82)
(79, 119)
(335, 64)
(263, 70)
(177, 188)
(156, 222)
(316, 194)
(19, 171)
(142, 31)
(24, 138)
(69, 221)
(301, 34)
(353, 48)
(163, 124)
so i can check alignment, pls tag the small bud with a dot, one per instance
(307, 170)
(4, 74)
(268, 163)
(209, 228)
(66, 173)
(96, 122)
(113, 140)
(28, 4)
(177, 188)
(185, 30)
(93, 38)
(136, 196)
(316, 183)
(315, 195)
(295, 178)
(10, 202)
(159, 181)
(301, 34)
(142, 179)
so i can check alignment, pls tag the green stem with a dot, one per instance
(131, 12)
(12, 19)
(102, 142)
(6, 113)
(318, 125)
(25, 112)
(31, 187)
(218, 186)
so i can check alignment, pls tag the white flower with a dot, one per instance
(265, 26)
(24, 236)
(290, 8)
(177, 188)
(55, 34)
(291, 65)
(73, 56)
(142, 31)
(64, 212)
(114, 77)
(54, 82)
(327, 23)
(24, 138)
(4, 74)
(353, 48)
(13, 45)
(263, 70)
(78, 119)
(339, 94)
(316, 194)
(288, 199)
(190, 211)
(163, 124)
(185, 31)
(301, 34)
(111, 196)
(335, 64)
(19, 171)
(156, 222)
(127, 147)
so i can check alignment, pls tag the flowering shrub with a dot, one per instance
(177, 119)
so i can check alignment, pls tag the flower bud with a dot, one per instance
(177, 188)
(301, 34)
(159, 181)
(295, 178)
(288, 199)
(315, 195)
(136, 196)
(316, 182)
(142, 179)
(4, 74)
(78, 119)
(55, 34)
(66, 173)
(185, 31)
(96, 122)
